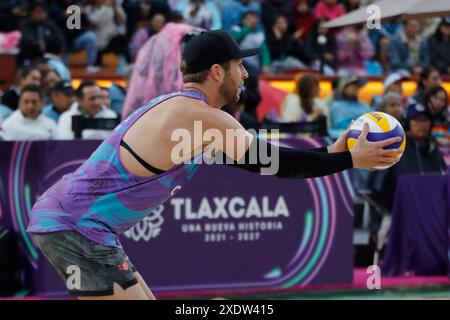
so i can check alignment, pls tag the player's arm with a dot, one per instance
(244, 151)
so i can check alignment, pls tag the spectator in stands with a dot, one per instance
(49, 79)
(62, 96)
(285, 52)
(322, 47)
(105, 100)
(11, 13)
(392, 84)
(392, 104)
(117, 94)
(144, 10)
(108, 21)
(381, 56)
(346, 106)
(39, 34)
(249, 36)
(77, 39)
(141, 36)
(201, 14)
(28, 122)
(303, 105)
(304, 19)
(436, 102)
(421, 155)
(26, 75)
(329, 9)
(439, 45)
(408, 50)
(429, 78)
(353, 50)
(232, 11)
(47, 63)
(271, 9)
(89, 97)
(5, 112)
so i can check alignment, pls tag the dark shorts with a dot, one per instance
(87, 268)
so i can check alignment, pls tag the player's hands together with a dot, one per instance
(367, 154)
(341, 143)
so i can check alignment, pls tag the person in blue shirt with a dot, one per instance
(346, 106)
(62, 96)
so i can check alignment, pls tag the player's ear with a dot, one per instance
(217, 72)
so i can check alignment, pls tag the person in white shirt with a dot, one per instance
(28, 122)
(303, 105)
(89, 104)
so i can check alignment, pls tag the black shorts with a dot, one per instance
(87, 268)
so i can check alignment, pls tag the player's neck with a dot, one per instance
(212, 98)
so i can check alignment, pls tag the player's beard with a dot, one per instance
(229, 90)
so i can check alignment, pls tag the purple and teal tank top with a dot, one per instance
(101, 199)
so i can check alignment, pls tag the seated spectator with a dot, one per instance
(62, 96)
(77, 39)
(322, 47)
(107, 18)
(429, 78)
(197, 14)
(49, 79)
(11, 13)
(141, 36)
(143, 10)
(346, 106)
(26, 75)
(436, 102)
(329, 10)
(39, 34)
(353, 50)
(391, 104)
(285, 52)
(117, 95)
(249, 36)
(105, 100)
(439, 45)
(303, 105)
(270, 9)
(381, 57)
(28, 122)
(408, 50)
(421, 155)
(392, 84)
(5, 112)
(232, 11)
(304, 19)
(89, 97)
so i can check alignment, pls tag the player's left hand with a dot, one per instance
(341, 143)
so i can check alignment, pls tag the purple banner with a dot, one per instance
(227, 230)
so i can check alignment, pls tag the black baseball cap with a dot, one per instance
(64, 87)
(211, 47)
(416, 109)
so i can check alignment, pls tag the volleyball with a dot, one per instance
(381, 127)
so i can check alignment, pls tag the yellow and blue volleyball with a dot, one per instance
(381, 127)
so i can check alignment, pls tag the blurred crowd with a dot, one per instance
(148, 35)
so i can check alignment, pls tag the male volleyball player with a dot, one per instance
(77, 221)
